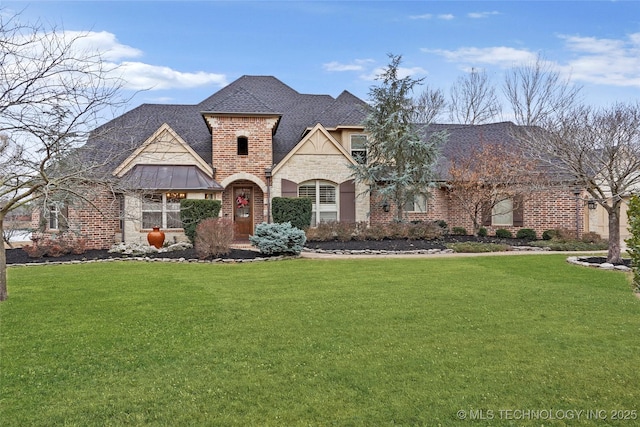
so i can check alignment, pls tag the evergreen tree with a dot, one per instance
(401, 155)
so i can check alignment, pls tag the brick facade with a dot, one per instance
(97, 220)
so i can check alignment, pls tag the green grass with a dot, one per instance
(313, 342)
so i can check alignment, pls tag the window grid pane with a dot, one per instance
(327, 195)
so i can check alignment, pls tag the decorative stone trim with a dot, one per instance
(148, 259)
(605, 266)
(411, 252)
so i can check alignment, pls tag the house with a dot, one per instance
(253, 140)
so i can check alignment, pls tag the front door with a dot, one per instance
(242, 212)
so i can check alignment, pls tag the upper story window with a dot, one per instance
(243, 146)
(359, 148)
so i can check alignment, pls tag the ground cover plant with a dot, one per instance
(318, 342)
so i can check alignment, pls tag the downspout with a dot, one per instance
(267, 174)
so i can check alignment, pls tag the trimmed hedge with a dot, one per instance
(192, 211)
(296, 210)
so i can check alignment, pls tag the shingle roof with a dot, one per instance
(248, 94)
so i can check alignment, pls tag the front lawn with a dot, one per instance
(370, 342)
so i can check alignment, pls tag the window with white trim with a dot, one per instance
(359, 148)
(323, 200)
(54, 211)
(418, 204)
(162, 210)
(502, 213)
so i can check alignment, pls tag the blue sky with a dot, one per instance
(184, 51)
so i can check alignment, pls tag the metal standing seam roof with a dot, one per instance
(167, 177)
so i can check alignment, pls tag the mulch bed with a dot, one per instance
(18, 256)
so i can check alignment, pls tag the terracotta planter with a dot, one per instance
(156, 237)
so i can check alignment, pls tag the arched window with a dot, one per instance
(323, 198)
(243, 146)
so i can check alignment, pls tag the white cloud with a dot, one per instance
(446, 17)
(481, 15)
(424, 16)
(140, 76)
(604, 61)
(501, 56)
(356, 65)
(105, 43)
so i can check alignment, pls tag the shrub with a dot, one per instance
(443, 225)
(527, 234)
(591, 237)
(278, 238)
(344, 231)
(57, 246)
(214, 237)
(482, 232)
(424, 231)
(397, 230)
(633, 242)
(459, 231)
(192, 211)
(503, 233)
(296, 210)
(548, 234)
(560, 234)
(375, 232)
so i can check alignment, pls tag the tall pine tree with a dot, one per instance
(401, 155)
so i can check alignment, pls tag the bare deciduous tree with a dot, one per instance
(600, 149)
(485, 174)
(537, 92)
(429, 105)
(473, 99)
(52, 94)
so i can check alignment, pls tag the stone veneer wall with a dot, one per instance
(325, 167)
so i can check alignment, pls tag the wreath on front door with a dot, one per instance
(242, 200)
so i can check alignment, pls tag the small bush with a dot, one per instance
(591, 237)
(559, 234)
(482, 232)
(278, 238)
(57, 246)
(502, 233)
(375, 232)
(459, 231)
(214, 237)
(344, 231)
(527, 234)
(424, 231)
(477, 247)
(443, 225)
(192, 211)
